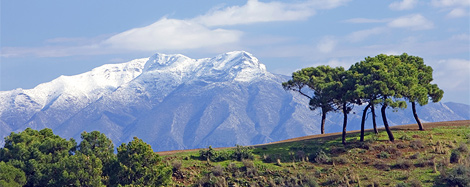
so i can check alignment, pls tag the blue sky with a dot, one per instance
(41, 40)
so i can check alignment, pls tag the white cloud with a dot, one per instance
(51, 51)
(256, 12)
(327, 44)
(403, 5)
(457, 13)
(163, 35)
(450, 3)
(363, 34)
(171, 34)
(464, 37)
(365, 20)
(324, 4)
(453, 74)
(253, 12)
(414, 22)
(175, 34)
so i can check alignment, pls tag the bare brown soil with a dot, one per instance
(338, 134)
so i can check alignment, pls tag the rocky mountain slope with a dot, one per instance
(175, 102)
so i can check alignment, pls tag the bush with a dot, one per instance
(217, 170)
(364, 145)
(336, 180)
(242, 152)
(414, 156)
(207, 154)
(458, 176)
(417, 144)
(176, 165)
(406, 137)
(439, 148)
(337, 150)
(455, 156)
(379, 147)
(402, 145)
(232, 168)
(300, 155)
(424, 162)
(321, 157)
(403, 164)
(401, 184)
(463, 148)
(340, 160)
(222, 156)
(250, 168)
(393, 151)
(381, 165)
(383, 155)
(415, 183)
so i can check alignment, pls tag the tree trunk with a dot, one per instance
(413, 106)
(323, 117)
(345, 122)
(387, 128)
(373, 119)
(363, 121)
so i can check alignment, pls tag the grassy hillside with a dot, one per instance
(439, 156)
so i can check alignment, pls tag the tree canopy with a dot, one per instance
(40, 158)
(386, 80)
(322, 81)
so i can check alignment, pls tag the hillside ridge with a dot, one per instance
(338, 134)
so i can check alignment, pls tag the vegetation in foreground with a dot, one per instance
(436, 157)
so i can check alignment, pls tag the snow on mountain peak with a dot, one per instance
(236, 65)
(162, 70)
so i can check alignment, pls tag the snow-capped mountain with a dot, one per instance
(175, 102)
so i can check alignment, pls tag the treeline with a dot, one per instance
(40, 158)
(386, 80)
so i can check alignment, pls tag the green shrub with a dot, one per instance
(401, 184)
(300, 155)
(336, 180)
(176, 164)
(439, 148)
(425, 162)
(393, 151)
(458, 176)
(415, 183)
(406, 137)
(379, 147)
(403, 164)
(321, 157)
(243, 152)
(207, 154)
(402, 145)
(383, 155)
(417, 144)
(455, 156)
(463, 148)
(340, 160)
(337, 150)
(414, 156)
(217, 170)
(222, 156)
(381, 165)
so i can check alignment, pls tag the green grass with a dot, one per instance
(355, 163)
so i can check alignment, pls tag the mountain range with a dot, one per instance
(175, 102)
